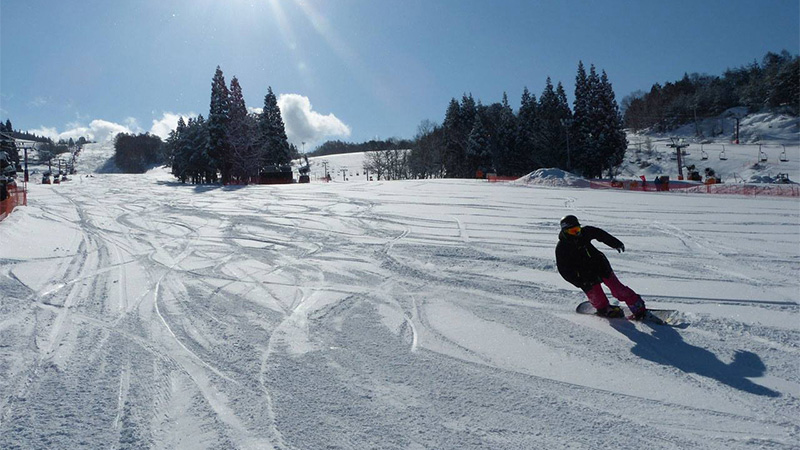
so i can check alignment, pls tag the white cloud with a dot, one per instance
(98, 130)
(302, 124)
(306, 125)
(103, 131)
(52, 133)
(38, 102)
(132, 123)
(168, 122)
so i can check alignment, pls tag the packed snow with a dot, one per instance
(140, 312)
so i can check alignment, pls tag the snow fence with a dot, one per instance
(779, 190)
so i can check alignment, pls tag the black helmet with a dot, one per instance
(569, 222)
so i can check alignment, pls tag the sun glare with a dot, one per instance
(351, 59)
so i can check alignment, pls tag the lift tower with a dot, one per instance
(679, 145)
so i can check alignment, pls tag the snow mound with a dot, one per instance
(553, 177)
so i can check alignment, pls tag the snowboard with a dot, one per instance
(657, 316)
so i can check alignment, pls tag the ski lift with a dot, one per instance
(761, 155)
(783, 156)
(703, 154)
(722, 155)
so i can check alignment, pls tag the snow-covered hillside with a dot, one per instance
(775, 138)
(96, 158)
(139, 312)
(769, 144)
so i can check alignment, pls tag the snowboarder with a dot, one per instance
(581, 264)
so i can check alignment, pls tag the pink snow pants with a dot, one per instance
(621, 292)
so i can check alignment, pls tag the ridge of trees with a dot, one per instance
(772, 84)
(476, 138)
(231, 145)
(336, 147)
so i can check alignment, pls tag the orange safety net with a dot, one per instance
(16, 197)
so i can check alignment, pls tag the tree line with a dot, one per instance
(774, 83)
(388, 164)
(25, 135)
(7, 145)
(46, 147)
(476, 139)
(138, 153)
(232, 145)
(337, 147)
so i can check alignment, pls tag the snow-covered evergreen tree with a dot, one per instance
(598, 136)
(176, 158)
(479, 155)
(238, 109)
(455, 152)
(526, 131)
(564, 119)
(244, 161)
(613, 141)
(201, 163)
(579, 129)
(550, 144)
(273, 144)
(499, 122)
(218, 118)
(468, 110)
(7, 145)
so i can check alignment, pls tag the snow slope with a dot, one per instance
(139, 312)
(351, 163)
(762, 136)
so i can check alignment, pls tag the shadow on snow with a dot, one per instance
(201, 188)
(666, 346)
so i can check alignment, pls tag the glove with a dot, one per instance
(621, 248)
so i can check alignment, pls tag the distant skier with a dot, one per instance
(581, 264)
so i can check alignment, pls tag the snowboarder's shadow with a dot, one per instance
(666, 346)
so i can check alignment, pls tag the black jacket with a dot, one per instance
(579, 262)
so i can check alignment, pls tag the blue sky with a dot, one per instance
(355, 69)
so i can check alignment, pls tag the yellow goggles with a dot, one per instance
(573, 231)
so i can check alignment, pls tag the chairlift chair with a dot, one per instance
(783, 157)
(723, 156)
(703, 154)
(762, 157)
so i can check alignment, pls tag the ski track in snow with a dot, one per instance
(391, 315)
